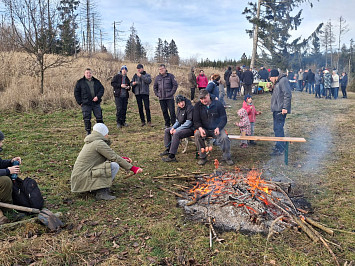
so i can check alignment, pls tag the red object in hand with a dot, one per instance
(135, 169)
(127, 159)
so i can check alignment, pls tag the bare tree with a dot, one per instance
(34, 30)
(328, 39)
(343, 28)
(91, 19)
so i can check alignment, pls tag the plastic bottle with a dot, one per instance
(14, 176)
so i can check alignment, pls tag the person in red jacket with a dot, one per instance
(252, 113)
(201, 80)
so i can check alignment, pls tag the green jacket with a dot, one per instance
(92, 168)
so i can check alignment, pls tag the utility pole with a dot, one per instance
(101, 41)
(93, 33)
(255, 37)
(114, 39)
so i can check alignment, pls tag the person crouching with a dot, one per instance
(97, 165)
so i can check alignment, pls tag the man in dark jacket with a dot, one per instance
(140, 87)
(165, 87)
(191, 77)
(227, 75)
(88, 93)
(305, 80)
(210, 118)
(344, 83)
(182, 128)
(264, 74)
(6, 169)
(121, 87)
(310, 81)
(280, 106)
(247, 79)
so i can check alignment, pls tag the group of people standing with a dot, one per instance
(322, 82)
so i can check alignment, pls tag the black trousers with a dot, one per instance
(192, 93)
(143, 98)
(168, 107)
(121, 109)
(87, 110)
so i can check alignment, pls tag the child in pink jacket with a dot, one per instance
(244, 126)
(252, 113)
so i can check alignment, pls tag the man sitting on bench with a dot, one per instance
(210, 118)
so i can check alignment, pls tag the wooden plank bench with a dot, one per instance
(263, 138)
(256, 138)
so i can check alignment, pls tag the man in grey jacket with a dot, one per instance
(280, 106)
(165, 87)
(140, 87)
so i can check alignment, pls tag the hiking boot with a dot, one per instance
(103, 194)
(125, 125)
(166, 152)
(150, 124)
(119, 125)
(202, 161)
(142, 124)
(168, 159)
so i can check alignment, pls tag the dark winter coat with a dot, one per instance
(191, 77)
(4, 164)
(210, 117)
(344, 81)
(82, 92)
(310, 77)
(165, 86)
(184, 116)
(263, 73)
(227, 74)
(247, 77)
(116, 83)
(281, 95)
(213, 89)
(142, 86)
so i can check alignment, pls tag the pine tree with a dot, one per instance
(173, 53)
(166, 52)
(158, 56)
(134, 50)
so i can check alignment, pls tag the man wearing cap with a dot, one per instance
(165, 87)
(88, 93)
(121, 87)
(182, 128)
(6, 169)
(97, 165)
(210, 118)
(280, 106)
(140, 88)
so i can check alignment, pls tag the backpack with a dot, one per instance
(26, 193)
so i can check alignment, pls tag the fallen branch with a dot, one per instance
(173, 192)
(172, 177)
(305, 228)
(14, 224)
(320, 226)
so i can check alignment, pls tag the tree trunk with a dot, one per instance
(255, 37)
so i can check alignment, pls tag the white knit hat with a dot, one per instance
(101, 128)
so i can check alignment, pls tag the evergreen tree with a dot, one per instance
(173, 53)
(68, 43)
(134, 50)
(158, 56)
(166, 52)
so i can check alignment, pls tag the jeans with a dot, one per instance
(310, 87)
(234, 93)
(114, 169)
(335, 92)
(229, 91)
(143, 98)
(279, 122)
(318, 93)
(87, 110)
(247, 89)
(322, 90)
(121, 109)
(221, 96)
(222, 140)
(300, 85)
(329, 93)
(172, 141)
(343, 90)
(168, 105)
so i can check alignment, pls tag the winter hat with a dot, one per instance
(180, 98)
(2, 136)
(101, 128)
(124, 67)
(246, 97)
(139, 66)
(274, 73)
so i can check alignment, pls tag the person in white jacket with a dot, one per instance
(335, 84)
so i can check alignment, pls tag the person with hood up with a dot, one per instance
(121, 87)
(191, 77)
(252, 113)
(201, 80)
(280, 106)
(6, 169)
(97, 165)
(244, 126)
(182, 128)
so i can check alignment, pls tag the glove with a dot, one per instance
(134, 169)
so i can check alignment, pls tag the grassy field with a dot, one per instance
(144, 226)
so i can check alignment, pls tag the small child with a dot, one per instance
(252, 113)
(244, 126)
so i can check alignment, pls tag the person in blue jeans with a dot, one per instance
(310, 81)
(335, 84)
(280, 106)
